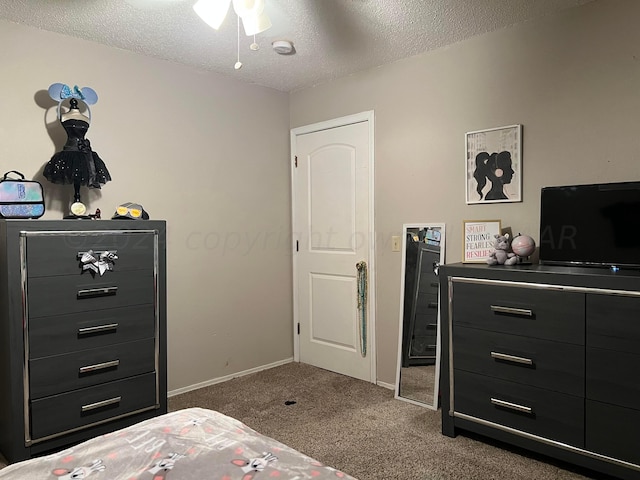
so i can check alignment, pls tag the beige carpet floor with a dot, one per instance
(361, 429)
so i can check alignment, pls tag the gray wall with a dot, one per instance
(206, 153)
(572, 80)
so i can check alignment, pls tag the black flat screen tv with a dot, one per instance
(591, 225)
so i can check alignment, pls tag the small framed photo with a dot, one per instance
(494, 165)
(478, 238)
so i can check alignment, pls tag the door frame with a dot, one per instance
(367, 116)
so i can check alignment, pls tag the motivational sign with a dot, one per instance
(478, 239)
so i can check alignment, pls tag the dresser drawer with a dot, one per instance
(63, 373)
(423, 346)
(612, 378)
(613, 322)
(426, 324)
(428, 281)
(427, 303)
(50, 255)
(545, 413)
(84, 293)
(613, 431)
(531, 361)
(547, 314)
(79, 331)
(59, 413)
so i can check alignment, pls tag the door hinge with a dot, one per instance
(296, 161)
(298, 328)
(297, 246)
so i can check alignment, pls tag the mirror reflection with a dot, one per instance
(418, 346)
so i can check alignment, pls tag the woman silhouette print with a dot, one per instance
(497, 169)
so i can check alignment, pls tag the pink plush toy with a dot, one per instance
(502, 254)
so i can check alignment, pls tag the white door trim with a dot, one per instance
(367, 116)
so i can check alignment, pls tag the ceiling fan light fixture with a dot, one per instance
(248, 8)
(212, 12)
(255, 24)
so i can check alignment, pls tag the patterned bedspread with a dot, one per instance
(189, 444)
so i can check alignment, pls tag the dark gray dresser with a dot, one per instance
(545, 358)
(82, 339)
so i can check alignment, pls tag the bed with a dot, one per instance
(189, 444)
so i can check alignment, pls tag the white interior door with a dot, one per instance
(333, 225)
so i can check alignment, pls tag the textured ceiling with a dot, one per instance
(332, 38)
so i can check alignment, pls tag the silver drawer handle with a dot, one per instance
(103, 403)
(97, 329)
(99, 366)
(97, 292)
(514, 311)
(511, 406)
(511, 358)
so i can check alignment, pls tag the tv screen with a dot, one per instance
(592, 225)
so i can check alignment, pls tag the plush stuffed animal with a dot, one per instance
(502, 254)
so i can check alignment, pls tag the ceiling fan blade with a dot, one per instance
(256, 24)
(212, 12)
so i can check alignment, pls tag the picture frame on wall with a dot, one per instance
(478, 239)
(494, 165)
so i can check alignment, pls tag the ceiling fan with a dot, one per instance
(254, 15)
(251, 12)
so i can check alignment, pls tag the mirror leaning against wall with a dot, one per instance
(418, 373)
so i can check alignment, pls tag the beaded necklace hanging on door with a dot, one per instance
(362, 305)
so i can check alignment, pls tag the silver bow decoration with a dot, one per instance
(98, 263)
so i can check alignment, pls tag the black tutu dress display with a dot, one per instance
(76, 164)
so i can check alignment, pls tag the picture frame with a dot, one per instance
(494, 165)
(478, 238)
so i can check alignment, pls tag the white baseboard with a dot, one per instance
(207, 383)
(390, 386)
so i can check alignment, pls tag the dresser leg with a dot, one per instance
(448, 427)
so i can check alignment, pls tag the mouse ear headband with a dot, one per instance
(60, 92)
